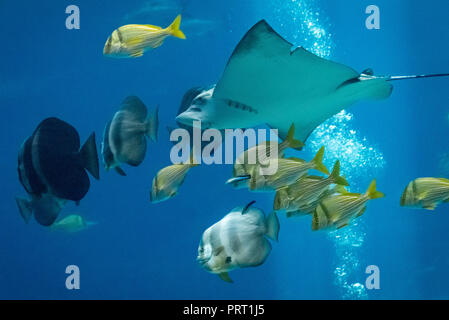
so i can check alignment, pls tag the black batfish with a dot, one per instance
(51, 168)
(45, 206)
(60, 162)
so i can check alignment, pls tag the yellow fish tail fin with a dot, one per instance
(318, 161)
(280, 199)
(340, 189)
(372, 192)
(291, 141)
(335, 175)
(174, 30)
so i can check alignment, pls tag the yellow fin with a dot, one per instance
(361, 212)
(430, 206)
(372, 192)
(174, 30)
(335, 175)
(137, 54)
(422, 195)
(291, 141)
(151, 26)
(318, 161)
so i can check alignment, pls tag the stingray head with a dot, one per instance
(201, 109)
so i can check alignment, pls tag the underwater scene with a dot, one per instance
(239, 149)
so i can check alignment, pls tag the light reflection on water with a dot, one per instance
(358, 158)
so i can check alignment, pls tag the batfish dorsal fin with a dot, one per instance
(56, 147)
(245, 209)
(135, 106)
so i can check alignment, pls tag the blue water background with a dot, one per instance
(141, 250)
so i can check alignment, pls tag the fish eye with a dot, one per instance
(195, 109)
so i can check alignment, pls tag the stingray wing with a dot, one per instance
(264, 73)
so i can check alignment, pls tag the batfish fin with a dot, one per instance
(218, 250)
(272, 226)
(56, 149)
(245, 209)
(225, 277)
(136, 107)
(152, 124)
(89, 156)
(25, 208)
(120, 171)
(46, 210)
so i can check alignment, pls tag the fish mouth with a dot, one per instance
(185, 119)
(202, 261)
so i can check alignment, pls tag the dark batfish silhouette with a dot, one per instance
(51, 169)
(45, 206)
(62, 164)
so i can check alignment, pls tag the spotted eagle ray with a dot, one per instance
(268, 81)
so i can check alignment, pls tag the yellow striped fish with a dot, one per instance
(338, 210)
(169, 179)
(288, 171)
(133, 40)
(309, 208)
(305, 193)
(426, 193)
(251, 156)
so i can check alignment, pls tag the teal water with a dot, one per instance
(139, 250)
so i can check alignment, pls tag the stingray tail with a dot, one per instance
(394, 78)
(174, 28)
(89, 156)
(318, 162)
